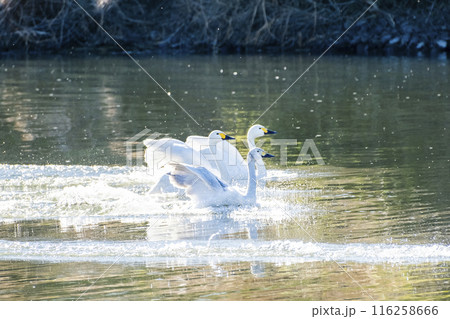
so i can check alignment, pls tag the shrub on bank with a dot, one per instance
(224, 26)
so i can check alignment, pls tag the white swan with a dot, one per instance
(206, 189)
(159, 152)
(233, 166)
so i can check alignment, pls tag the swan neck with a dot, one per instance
(262, 172)
(212, 143)
(251, 184)
(250, 142)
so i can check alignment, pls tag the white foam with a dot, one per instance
(219, 251)
(83, 196)
(54, 191)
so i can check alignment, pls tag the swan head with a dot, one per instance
(218, 136)
(257, 153)
(258, 131)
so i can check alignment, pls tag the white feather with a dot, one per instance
(160, 152)
(228, 160)
(206, 189)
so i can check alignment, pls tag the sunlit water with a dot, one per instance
(77, 222)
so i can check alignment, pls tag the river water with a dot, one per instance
(365, 217)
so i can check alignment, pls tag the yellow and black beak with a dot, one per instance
(266, 131)
(226, 137)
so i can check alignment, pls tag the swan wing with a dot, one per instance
(194, 139)
(201, 144)
(195, 179)
(162, 151)
(159, 152)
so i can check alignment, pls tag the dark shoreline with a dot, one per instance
(396, 27)
(101, 52)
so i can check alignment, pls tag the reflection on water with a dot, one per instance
(233, 281)
(69, 208)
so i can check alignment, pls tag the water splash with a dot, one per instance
(81, 196)
(219, 251)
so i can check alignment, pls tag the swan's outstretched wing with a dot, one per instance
(159, 152)
(162, 151)
(201, 144)
(196, 180)
(196, 139)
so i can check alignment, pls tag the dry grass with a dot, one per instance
(221, 25)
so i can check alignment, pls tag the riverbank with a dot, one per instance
(402, 27)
